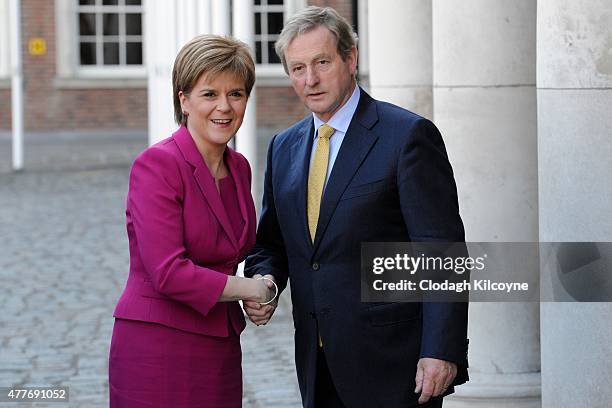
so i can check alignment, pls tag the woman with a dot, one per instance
(190, 221)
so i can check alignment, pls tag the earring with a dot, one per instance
(185, 114)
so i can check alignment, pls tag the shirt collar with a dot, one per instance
(342, 118)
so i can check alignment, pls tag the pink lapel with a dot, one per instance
(242, 191)
(205, 181)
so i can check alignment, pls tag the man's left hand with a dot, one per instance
(433, 377)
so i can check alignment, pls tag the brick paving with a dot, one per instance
(63, 263)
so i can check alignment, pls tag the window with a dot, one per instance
(100, 43)
(110, 32)
(269, 20)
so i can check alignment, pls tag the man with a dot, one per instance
(354, 171)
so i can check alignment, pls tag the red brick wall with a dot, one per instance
(278, 107)
(5, 109)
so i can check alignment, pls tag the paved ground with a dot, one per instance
(63, 263)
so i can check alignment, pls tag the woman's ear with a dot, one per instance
(184, 102)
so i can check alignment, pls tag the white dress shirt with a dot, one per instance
(340, 121)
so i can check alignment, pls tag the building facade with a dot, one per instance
(84, 61)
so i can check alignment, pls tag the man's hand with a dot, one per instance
(260, 314)
(433, 377)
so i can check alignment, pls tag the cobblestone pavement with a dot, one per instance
(63, 263)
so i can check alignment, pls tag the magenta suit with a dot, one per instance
(173, 343)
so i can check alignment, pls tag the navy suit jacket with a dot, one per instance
(391, 181)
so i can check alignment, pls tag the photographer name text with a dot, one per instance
(484, 285)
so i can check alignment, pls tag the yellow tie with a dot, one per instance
(316, 178)
(316, 181)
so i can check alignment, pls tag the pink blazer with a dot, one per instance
(182, 246)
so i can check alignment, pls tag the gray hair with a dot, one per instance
(311, 18)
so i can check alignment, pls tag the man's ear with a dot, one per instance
(354, 55)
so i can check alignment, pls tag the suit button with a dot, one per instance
(315, 266)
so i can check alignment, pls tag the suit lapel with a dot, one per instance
(205, 181)
(355, 147)
(300, 166)
(242, 191)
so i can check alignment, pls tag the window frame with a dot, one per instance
(5, 43)
(264, 9)
(69, 71)
(275, 71)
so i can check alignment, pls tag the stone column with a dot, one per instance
(574, 79)
(246, 139)
(17, 105)
(485, 106)
(400, 64)
(5, 42)
(181, 21)
(195, 17)
(221, 17)
(160, 50)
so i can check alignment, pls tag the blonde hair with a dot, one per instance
(211, 55)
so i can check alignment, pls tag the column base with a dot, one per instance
(498, 390)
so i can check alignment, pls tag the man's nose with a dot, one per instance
(312, 77)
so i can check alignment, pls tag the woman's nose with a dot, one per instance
(223, 105)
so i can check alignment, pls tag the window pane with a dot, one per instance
(111, 53)
(88, 53)
(275, 1)
(275, 23)
(133, 24)
(134, 53)
(87, 2)
(257, 2)
(109, 2)
(87, 24)
(257, 23)
(133, 2)
(110, 24)
(272, 57)
(258, 52)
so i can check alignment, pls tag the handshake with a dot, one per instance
(261, 309)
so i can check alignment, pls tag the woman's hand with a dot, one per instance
(248, 289)
(263, 290)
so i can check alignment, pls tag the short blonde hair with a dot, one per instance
(211, 55)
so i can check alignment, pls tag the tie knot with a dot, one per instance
(325, 131)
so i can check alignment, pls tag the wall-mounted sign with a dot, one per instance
(37, 46)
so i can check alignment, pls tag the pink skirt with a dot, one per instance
(151, 365)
